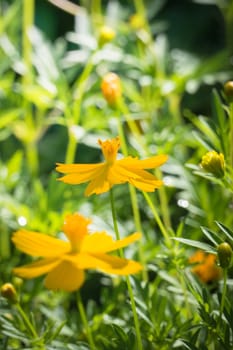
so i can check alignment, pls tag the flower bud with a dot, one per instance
(111, 88)
(213, 162)
(228, 89)
(8, 291)
(106, 35)
(136, 21)
(224, 254)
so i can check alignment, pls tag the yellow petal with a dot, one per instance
(79, 173)
(36, 269)
(99, 184)
(139, 178)
(108, 264)
(146, 186)
(65, 277)
(148, 163)
(39, 244)
(101, 242)
(77, 168)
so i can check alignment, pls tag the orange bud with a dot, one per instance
(111, 88)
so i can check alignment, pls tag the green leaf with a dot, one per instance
(197, 244)
(226, 231)
(120, 332)
(7, 117)
(209, 234)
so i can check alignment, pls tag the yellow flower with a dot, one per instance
(111, 88)
(205, 266)
(64, 262)
(103, 176)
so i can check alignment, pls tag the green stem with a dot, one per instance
(28, 21)
(79, 90)
(130, 290)
(141, 11)
(231, 134)
(165, 213)
(131, 123)
(32, 156)
(27, 24)
(224, 292)
(85, 321)
(39, 343)
(26, 320)
(96, 14)
(157, 219)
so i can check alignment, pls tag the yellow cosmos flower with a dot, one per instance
(113, 171)
(64, 262)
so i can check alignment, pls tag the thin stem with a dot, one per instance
(30, 327)
(76, 110)
(96, 13)
(85, 321)
(165, 213)
(26, 320)
(130, 290)
(28, 21)
(131, 123)
(224, 292)
(157, 219)
(30, 145)
(231, 134)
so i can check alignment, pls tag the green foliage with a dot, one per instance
(52, 110)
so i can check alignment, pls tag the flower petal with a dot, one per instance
(101, 242)
(139, 178)
(36, 269)
(39, 244)
(109, 264)
(79, 173)
(148, 163)
(65, 276)
(99, 184)
(146, 186)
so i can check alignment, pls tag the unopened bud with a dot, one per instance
(111, 88)
(213, 162)
(136, 21)
(228, 89)
(8, 291)
(106, 35)
(224, 254)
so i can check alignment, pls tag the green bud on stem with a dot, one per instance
(224, 254)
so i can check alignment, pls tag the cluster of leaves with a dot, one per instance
(52, 110)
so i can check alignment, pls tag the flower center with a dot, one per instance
(75, 229)
(110, 149)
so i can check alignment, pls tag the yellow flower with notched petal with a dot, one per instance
(113, 171)
(64, 262)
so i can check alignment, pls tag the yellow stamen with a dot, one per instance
(110, 149)
(75, 228)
